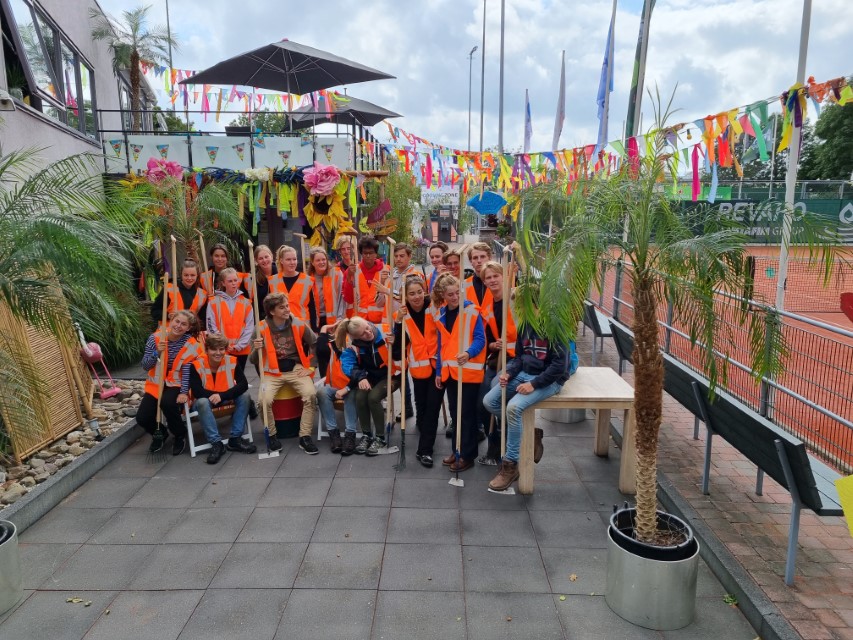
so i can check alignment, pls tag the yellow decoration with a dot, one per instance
(845, 492)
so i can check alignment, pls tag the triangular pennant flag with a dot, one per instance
(328, 149)
(117, 145)
(164, 151)
(305, 140)
(259, 140)
(239, 149)
(285, 157)
(211, 153)
(136, 149)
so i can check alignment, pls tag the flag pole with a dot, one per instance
(501, 86)
(635, 98)
(483, 77)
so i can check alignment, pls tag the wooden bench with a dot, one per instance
(598, 324)
(775, 452)
(599, 388)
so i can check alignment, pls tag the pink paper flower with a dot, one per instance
(159, 170)
(322, 179)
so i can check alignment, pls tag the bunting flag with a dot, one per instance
(528, 123)
(164, 151)
(305, 140)
(259, 141)
(117, 145)
(211, 153)
(239, 149)
(285, 157)
(605, 85)
(136, 149)
(561, 107)
(328, 149)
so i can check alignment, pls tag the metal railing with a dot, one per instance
(775, 189)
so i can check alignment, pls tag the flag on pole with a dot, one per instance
(528, 123)
(605, 85)
(561, 107)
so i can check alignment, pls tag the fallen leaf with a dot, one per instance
(74, 600)
(88, 603)
(509, 618)
(107, 612)
(458, 618)
(573, 578)
(429, 577)
(562, 598)
(132, 535)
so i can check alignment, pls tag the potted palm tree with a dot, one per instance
(671, 255)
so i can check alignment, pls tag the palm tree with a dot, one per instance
(672, 255)
(130, 41)
(63, 249)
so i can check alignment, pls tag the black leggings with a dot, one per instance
(146, 413)
(324, 353)
(428, 401)
(469, 415)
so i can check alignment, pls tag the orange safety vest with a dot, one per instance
(421, 347)
(490, 318)
(188, 354)
(218, 381)
(270, 357)
(231, 325)
(335, 375)
(367, 307)
(176, 301)
(298, 295)
(473, 370)
(471, 295)
(333, 284)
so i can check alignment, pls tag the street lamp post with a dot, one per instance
(169, 33)
(483, 78)
(470, 78)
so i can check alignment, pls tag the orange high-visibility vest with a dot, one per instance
(421, 347)
(335, 376)
(474, 369)
(176, 301)
(472, 295)
(298, 295)
(270, 357)
(231, 324)
(333, 284)
(367, 307)
(490, 318)
(218, 381)
(187, 355)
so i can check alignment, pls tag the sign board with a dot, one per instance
(440, 196)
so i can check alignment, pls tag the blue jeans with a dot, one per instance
(208, 420)
(515, 406)
(325, 402)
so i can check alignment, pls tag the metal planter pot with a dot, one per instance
(652, 587)
(563, 416)
(11, 585)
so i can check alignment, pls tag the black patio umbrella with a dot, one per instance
(347, 111)
(287, 66)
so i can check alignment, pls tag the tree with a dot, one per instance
(130, 41)
(174, 123)
(831, 158)
(63, 246)
(404, 195)
(267, 122)
(626, 219)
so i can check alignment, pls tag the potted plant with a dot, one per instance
(11, 588)
(669, 255)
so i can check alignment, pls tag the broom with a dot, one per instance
(509, 491)
(162, 363)
(389, 394)
(401, 463)
(460, 322)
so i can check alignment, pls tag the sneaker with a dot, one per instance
(308, 446)
(179, 446)
(373, 448)
(538, 447)
(275, 445)
(349, 444)
(507, 474)
(239, 445)
(425, 460)
(335, 443)
(217, 450)
(158, 440)
(362, 445)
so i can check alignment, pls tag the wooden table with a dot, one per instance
(599, 388)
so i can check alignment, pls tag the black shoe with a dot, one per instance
(216, 452)
(253, 410)
(239, 445)
(275, 445)
(179, 446)
(481, 435)
(335, 441)
(349, 444)
(158, 440)
(425, 460)
(308, 446)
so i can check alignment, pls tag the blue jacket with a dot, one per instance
(478, 343)
(367, 363)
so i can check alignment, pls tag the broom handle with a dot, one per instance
(257, 331)
(403, 376)
(164, 357)
(389, 409)
(203, 252)
(302, 238)
(355, 286)
(460, 321)
(174, 271)
(504, 321)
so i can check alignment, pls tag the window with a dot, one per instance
(44, 70)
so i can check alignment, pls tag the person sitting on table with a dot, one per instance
(216, 380)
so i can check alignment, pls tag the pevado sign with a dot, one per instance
(762, 219)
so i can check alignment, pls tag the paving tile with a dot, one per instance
(101, 493)
(492, 616)
(185, 466)
(497, 528)
(360, 492)
(418, 615)
(296, 492)
(558, 496)
(231, 492)
(425, 493)
(133, 462)
(712, 615)
(375, 467)
(558, 469)
(24, 597)
(40, 561)
(173, 493)
(589, 618)
(567, 529)
(588, 566)
(65, 524)
(340, 566)
(422, 567)
(424, 526)
(180, 566)
(504, 569)
(281, 524)
(240, 465)
(46, 614)
(226, 614)
(86, 568)
(604, 495)
(707, 584)
(260, 565)
(162, 615)
(209, 525)
(137, 526)
(298, 464)
(346, 615)
(351, 524)
(477, 497)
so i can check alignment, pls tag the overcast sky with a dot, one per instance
(720, 53)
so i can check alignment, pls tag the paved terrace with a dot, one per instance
(328, 547)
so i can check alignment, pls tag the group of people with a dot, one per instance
(331, 332)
